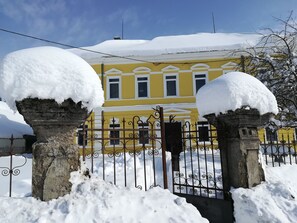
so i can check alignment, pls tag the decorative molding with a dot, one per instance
(170, 68)
(113, 71)
(200, 66)
(142, 70)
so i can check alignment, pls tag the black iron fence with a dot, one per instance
(9, 166)
(280, 151)
(200, 170)
(141, 153)
(144, 153)
(126, 152)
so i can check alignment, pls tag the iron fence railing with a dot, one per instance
(9, 168)
(277, 153)
(134, 153)
(200, 170)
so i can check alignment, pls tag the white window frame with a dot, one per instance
(176, 85)
(194, 79)
(136, 86)
(108, 87)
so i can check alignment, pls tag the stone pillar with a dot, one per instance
(54, 154)
(239, 143)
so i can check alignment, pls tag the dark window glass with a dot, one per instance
(271, 134)
(114, 90)
(199, 84)
(142, 89)
(114, 134)
(143, 133)
(80, 136)
(200, 80)
(203, 131)
(171, 87)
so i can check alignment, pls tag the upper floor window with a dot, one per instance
(171, 85)
(271, 134)
(142, 86)
(199, 81)
(114, 87)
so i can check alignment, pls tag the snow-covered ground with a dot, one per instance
(93, 200)
(101, 201)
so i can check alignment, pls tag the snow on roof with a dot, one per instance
(12, 123)
(49, 73)
(232, 91)
(171, 44)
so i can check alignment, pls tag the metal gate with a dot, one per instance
(181, 156)
(197, 170)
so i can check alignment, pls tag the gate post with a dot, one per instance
(239, 145)
(163, 143)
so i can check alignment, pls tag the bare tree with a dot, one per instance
(274, 62)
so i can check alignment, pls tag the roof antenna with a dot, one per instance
(213, 23)
(122, 28)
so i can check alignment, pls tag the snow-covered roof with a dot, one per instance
(12, 123)
(170, 45)
(49, 73)
(233, 91)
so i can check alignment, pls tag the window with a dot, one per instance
(81, 136)
(114, 134)
(203, 131)
(114, 88)
(143, 133)
(271, 134)
(199, 81)
(171, 85)
(142, 87)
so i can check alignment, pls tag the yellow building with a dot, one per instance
(138, 75)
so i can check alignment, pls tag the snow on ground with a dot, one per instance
(232, 91)
(171, 44)
(49, 73)
(272, 201)
(94, 200)
(12, 123)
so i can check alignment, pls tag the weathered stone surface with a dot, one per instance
(239, 143)
(54, 155)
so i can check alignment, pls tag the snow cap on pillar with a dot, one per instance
(232, 91)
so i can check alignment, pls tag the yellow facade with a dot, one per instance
(182, 106)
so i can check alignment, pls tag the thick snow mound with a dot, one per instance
(12, 123)
(233, 91)
(273, 201)
(49, 73)
(93, 200)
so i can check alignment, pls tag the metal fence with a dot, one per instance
(9, 166)
(281, 151)
(137, 153)
(128, 153)
(200, 169)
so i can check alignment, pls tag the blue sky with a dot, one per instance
(87, 22)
